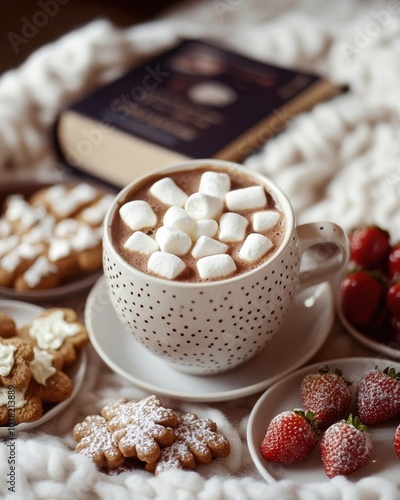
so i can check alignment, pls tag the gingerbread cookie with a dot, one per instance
(20, 214)
(51, 385)
(31, 378)
(18, 261)
(41, 275)
(141, 428)
(58, 331)
(97, 442)
(8, 327)
(15, 355)
(148, 434)
(94, 213)
(76, 246)
(64, 201)
(53, 237)
(196, 442)
(19, 406)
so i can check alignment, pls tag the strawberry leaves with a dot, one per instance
(345, 447)
(291, 437)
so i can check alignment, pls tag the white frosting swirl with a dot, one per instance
(6, 358)
(51, 331)
(19, 400)
(41, 365)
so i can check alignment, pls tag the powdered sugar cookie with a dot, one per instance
(196, 442)
(97, 442)
(141, 428)
(156, 436)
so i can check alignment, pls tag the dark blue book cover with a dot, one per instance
(196, 100)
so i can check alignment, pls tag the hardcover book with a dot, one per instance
(196, 100)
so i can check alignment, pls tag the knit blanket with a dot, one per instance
(338, 162)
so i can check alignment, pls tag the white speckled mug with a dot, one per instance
(211, 327)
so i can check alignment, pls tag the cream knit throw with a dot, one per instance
(338, 162)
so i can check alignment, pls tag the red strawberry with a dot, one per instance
(378, 396)
(345, 447)
(394, 262)
(291, 437)
(363, 296)
(327, 394)
(369, 246)
(393, 299)
(397, 441)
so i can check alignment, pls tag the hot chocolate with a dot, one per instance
(203, 224)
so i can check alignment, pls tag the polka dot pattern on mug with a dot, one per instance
(214, 329)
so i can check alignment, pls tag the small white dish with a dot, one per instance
(285, 395)
(23, 313)
(390, 349)
(303, 333)
(79, 284)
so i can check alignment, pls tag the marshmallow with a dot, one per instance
(5, 228)
(215, 266)
(141, 243)
(207, 246)
(201, 206)
(178, 217)
(173, 240)
(168, 192)
(137, 214)
(204, 228)
(262, 221)
(215, 183)
(246, 198)
(59, 249)
(255, 246)
(165, 265)
(232, 227)
(7, 244)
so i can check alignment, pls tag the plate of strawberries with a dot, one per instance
(339, 418)
(368, 298)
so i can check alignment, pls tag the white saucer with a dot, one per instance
(302, 334)
(23, 313)
(391, 350)
(285, 395)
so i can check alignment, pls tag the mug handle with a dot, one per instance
(323, 251)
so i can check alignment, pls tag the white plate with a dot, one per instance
(81, 283)
(302, 334)
(285, 395)
(390, 349)
(23, 313)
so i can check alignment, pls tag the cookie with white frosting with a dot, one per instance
(59, 332)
